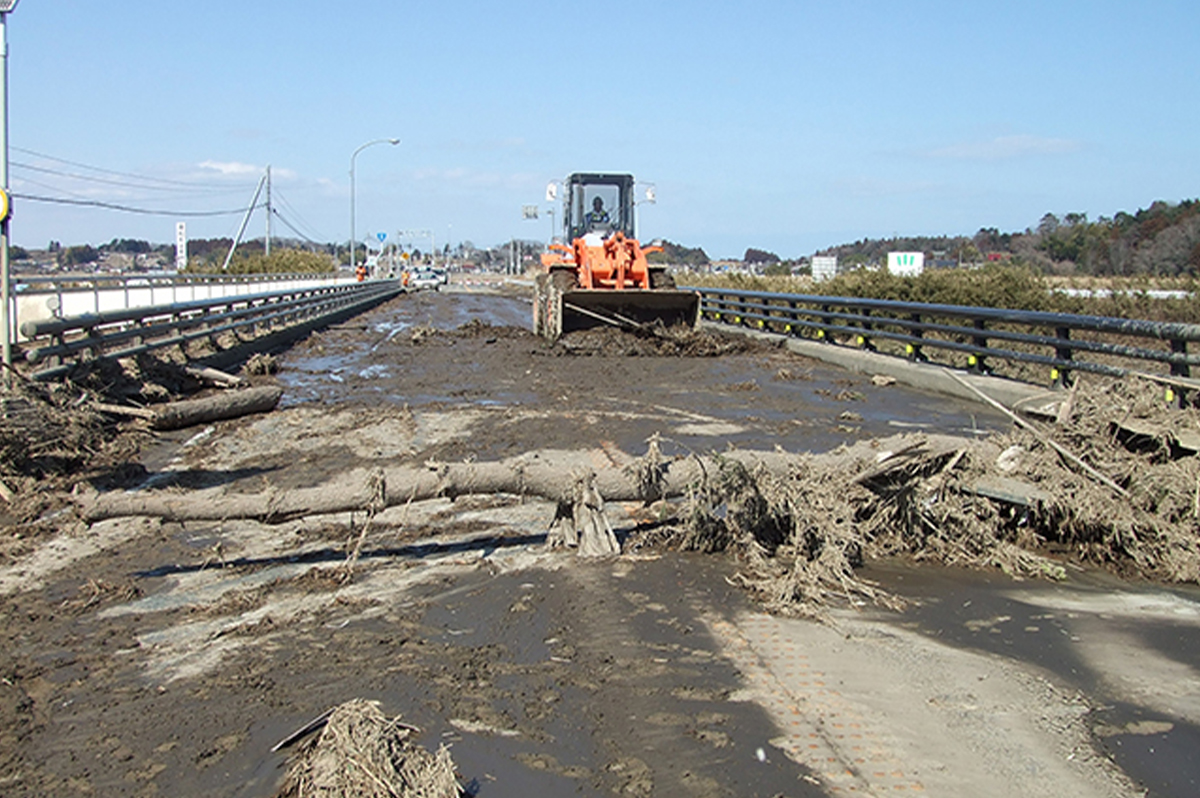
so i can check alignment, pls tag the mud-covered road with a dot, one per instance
(143, 658)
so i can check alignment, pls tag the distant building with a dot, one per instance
(906, 264)
(824, 267)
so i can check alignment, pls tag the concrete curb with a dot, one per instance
(926, 376)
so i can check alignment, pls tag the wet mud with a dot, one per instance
(1108, 639)
(142, 658)
(760, 398)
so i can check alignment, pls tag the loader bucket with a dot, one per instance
(583, 309)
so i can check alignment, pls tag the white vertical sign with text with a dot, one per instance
(180, 246)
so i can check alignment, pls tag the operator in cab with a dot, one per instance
(597, 217)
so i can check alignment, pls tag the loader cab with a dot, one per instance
(613, 213)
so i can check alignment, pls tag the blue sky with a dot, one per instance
(787, 126)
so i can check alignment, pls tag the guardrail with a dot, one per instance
(38, 297)
(964, 336)
(133, 331)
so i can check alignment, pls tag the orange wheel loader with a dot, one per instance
(602, 277)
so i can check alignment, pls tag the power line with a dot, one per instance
(143, 178)
(292, 227)
(121, 183)
(128, 209)
(166, 185)
(299, 216)
(40, 184)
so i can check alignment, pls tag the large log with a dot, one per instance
(550, 474)
(231, 404)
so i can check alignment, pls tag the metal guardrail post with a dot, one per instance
(95, 340)
(913, 350)
(1062, 377)
(1179, 346)
(864, 340)
(976, 362)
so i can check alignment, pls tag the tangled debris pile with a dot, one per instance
(656, 341)
(1012, 502)
(56, 435)
(361, 753)
(647, 341)
(45, 431)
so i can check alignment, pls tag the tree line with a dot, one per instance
(1161, 241)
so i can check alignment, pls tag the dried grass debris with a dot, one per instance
(260, 364)
(46, 430)
(361, 753)
(1019, 502)
(656, 341)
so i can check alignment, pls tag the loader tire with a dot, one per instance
(661, 279)
(564, 280)
(541, 302)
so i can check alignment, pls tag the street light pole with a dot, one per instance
(352, 157)
(6, 6)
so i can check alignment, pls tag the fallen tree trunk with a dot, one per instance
(231, 404)
(569, 479)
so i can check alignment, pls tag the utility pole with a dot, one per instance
(268, 247)
(238, 238)
(5, 285)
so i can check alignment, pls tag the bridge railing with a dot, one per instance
(1013, 343)
(57, 343)
(39, 297)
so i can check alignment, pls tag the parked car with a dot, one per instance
(425, 278)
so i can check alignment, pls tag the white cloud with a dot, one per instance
(231, 168)
(1004, 147)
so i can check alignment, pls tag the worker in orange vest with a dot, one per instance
(361, 273)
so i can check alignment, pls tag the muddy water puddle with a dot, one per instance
(757, 400)
(1135, 651)
(581, 678)
(599, 679)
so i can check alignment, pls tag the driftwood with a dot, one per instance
(566, 478)
(124, 410)
(190, 412)
(308, 728)
(1043, 437)
(551, 475)
(232, 404)
(214, 376)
